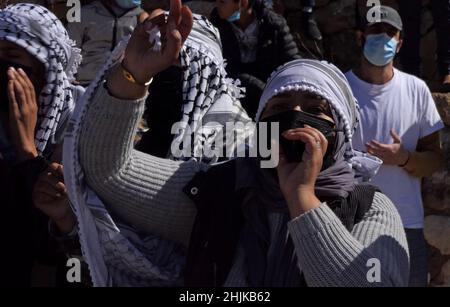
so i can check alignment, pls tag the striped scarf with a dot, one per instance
(207, 92)
(39, 32)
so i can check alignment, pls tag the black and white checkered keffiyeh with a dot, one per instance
(115, 253)
(206, 90)
(39, 32)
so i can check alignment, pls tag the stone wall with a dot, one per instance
(436, 196)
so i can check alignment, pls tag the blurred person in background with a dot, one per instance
(410, 11)
(103, 24)
(400, 125)
(37, 61)
(255, 41)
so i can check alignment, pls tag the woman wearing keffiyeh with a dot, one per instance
(37, 63)
(306, 223)
(117, 253)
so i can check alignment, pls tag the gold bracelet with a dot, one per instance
(129, 76)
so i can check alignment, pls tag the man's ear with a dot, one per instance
(399, 45)
(359, 35)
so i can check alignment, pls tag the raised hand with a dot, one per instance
(23, 113)
(297, 180)
(140, 59)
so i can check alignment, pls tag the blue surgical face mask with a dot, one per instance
(380, 49)
(235, 16)
(128, 4)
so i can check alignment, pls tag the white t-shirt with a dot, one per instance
(406, 105)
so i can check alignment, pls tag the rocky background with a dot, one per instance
(337, 21)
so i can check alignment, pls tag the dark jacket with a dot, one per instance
(163, 105)
(23, 228)
(276, 45)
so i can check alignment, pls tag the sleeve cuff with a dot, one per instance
(312, 221)
(103, 91)
(56, 234)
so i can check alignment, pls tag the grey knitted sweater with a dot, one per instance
(146, 192)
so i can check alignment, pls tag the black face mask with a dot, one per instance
(4, 65)
(295, 119)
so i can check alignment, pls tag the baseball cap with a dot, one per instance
(385, 14)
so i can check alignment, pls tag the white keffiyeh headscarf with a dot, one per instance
(40, 32)
(325, 80)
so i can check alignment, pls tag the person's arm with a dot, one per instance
(376, 247)
(50, 197)
(144, 191)
(286, 44)
(427, 159)
(321, 240)
(60, 230)
(428, 156)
